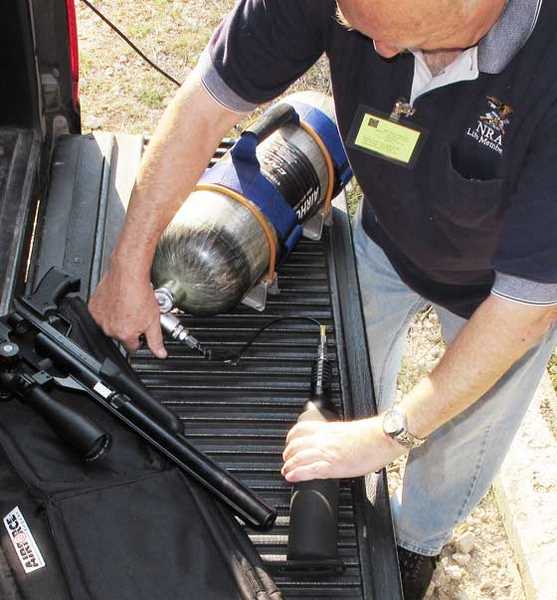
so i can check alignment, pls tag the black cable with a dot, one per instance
(130, 43)
(235, 357)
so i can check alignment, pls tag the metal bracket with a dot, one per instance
(41, 378)
(257, 297)
(313, 227)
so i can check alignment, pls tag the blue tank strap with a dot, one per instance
(243, 175)
(329, 134)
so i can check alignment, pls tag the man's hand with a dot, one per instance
(125, 307)
(182, 145)
(317, 450)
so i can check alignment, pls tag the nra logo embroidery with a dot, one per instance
(23, 541)
(491, 127)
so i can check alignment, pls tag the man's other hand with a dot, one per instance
(317, 450)
(125, 308)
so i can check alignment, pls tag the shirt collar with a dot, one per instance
(463, 68)
(508, 35)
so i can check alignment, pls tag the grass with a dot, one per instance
(118, 87)
(152, 98)
(139, 31)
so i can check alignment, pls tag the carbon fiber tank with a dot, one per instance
(215, 250)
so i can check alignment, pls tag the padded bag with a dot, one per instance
(131, 527)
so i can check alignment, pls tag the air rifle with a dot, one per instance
(36, 354)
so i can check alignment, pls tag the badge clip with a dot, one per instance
(402, 108)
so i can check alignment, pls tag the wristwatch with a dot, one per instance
(395, 426)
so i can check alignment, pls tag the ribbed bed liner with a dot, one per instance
(240, 414)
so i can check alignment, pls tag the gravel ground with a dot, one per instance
(120, 93)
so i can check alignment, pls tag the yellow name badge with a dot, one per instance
(380, 135)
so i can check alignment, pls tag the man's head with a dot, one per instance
(425, 24)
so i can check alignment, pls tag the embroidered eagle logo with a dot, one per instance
(498, 115)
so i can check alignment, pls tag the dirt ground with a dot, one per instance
(119, 92)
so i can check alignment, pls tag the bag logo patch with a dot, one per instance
(23, 541)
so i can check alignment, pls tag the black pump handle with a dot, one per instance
(273, 119)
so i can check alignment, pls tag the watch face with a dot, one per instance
(393, 422)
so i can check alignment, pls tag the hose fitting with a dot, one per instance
(171, 325)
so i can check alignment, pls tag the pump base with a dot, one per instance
(313, 568)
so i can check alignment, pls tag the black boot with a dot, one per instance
(416, 571)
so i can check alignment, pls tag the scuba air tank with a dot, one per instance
(249, 210)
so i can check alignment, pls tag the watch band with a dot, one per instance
(408, 440)
(395, 426)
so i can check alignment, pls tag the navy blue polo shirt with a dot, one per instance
(480, 204)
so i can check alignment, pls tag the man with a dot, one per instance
(460, 211)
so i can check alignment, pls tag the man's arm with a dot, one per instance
(499, 333)
(185, 139)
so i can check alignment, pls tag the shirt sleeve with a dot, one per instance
(528, 242)
(262, 47)
(524, 291)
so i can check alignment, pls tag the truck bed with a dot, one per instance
(240, 415)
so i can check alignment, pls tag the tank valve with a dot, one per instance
(171, 325)
(164, 299)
